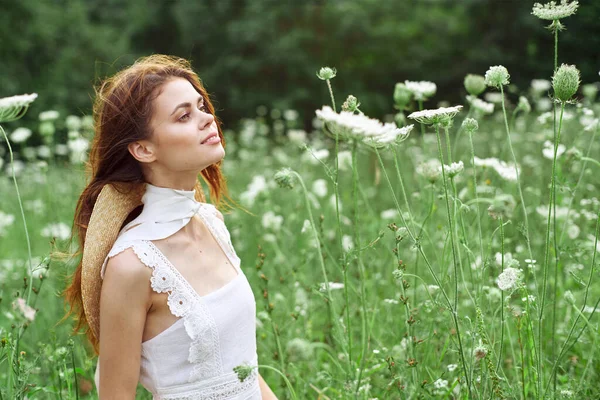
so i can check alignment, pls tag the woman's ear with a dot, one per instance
(142, 150)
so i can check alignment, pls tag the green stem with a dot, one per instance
(502, 295)
(547, 247)
(432, 272)
(553, 205)
(477, 205)
(331, 94)
(363, 280)
(330, 302)
(285, 379)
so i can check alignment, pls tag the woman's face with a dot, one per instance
(185, 136)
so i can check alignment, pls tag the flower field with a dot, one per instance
(450, 251)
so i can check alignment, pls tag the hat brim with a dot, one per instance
(114, 203)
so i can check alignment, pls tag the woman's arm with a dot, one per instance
(265, 390)
(124, 302)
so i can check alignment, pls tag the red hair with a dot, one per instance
(122, 110)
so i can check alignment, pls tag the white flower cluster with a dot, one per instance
(479, 105)
(255, 187)
(59, 230)
(454, 169)
(540, 85)
(5, 221)
(548, 150)
(435, 116)
(506, 171)
(272, 221)
(12, 108)
(553, 11)
(509, 279)
(430, 170)
(422, 90)
(20, 135)
(358, 126)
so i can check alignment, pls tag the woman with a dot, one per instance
(159, 285)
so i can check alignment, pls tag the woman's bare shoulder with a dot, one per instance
(127, 270)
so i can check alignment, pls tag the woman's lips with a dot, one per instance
(211, 139)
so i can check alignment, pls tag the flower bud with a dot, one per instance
(565, 82)
(285, 178)
(497, 76)
(326, 73)
(589, 90)
(402, 95)
(351, 104)
(523, 105)
(475, 84)
(470, 125)
(400, 119)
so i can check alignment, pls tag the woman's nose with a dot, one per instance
(206, 120)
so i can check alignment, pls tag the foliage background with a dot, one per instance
(266, 52)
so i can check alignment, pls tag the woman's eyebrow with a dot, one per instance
(186, 104)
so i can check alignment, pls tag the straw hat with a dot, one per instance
(114, 203)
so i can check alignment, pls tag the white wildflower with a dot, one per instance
(540, 85)
(454, 169)
(290, 115)
(25, 309)
(506, 171)
(58, 230)
(440, 384)
(548, 150)
(5, 221)
(20, 135)
(480, 105)
(430, 170)
(13, 108)
(73, 123)
(509, 279)
(272, 221)
(390, 301)
(452, 367)
(553, 11)
(319, 187)
(44, 151)
(422, 90)
(297, 136)
(357, 126)
(305, 226)
(345, 160)
(332, 286)
(389, 214)
(435, 116)
(49, 115)
(347, 242)
(393, 136)
(257, 185)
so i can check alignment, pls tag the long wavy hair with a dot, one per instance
(122, 110)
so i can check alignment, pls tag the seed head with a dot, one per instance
(402, 95)
(553, 11)
(497, 76)
(326, 73)
(243, 371)
(285, 178)
(475, 84)
(565, 82)
(470, 125)
(351, 104)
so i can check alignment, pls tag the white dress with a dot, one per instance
(194, 358)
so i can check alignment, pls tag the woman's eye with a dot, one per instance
(203, 108)
(184, 117)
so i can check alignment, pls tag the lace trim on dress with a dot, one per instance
(184, 302)
(221, 389)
